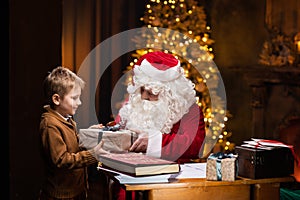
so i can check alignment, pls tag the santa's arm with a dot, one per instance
(186, 138)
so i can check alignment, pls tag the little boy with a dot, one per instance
(66, 162)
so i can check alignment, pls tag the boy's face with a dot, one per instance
(69, 104)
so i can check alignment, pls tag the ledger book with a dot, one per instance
(138, 164)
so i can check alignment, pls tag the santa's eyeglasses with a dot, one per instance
(148, 95)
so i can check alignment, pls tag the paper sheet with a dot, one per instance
(191, 170)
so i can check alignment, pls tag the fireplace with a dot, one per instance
(275, 106)
(275, 99)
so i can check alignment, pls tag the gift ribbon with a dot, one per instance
(218, 157)
(219, 172)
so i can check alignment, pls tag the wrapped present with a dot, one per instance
(221, 167)
(114, 140)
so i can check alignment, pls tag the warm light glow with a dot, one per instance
(297, 41)
(298, 46)
(180, 46)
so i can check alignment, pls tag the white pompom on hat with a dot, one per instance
(159, 66)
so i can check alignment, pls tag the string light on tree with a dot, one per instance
(188, 18)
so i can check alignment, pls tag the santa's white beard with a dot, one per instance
(141, 114)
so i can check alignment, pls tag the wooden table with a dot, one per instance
(191, 189)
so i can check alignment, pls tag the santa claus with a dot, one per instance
(162, 109)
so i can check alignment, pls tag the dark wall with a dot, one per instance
(238, 29)
(35, 48)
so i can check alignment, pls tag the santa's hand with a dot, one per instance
(140, 144)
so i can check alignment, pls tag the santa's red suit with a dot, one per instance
(184, 141)
(186, 137)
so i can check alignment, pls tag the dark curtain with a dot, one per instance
(85, 25)
(34, 49)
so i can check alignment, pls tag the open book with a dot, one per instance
(138, 164)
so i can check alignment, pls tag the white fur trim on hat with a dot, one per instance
(160, 75)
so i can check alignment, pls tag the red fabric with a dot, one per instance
(159, 60)
(119, 193)
(296, 171)
(186, 137)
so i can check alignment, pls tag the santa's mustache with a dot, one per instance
(147, 114)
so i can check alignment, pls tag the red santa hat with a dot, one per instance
(158, 65)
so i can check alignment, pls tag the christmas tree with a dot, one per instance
(188, 18)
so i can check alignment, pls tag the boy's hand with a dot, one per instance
(97, 126)
(99, 150)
